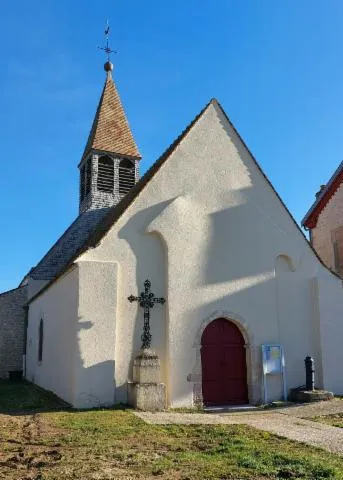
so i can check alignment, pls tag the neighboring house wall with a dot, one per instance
(12, 330)
(327, 237)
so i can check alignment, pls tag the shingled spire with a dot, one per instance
(110, 131)
(109, 165)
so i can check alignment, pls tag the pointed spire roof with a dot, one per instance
(110, 131)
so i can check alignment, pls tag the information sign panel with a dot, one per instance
(272, 359)
(273, 362)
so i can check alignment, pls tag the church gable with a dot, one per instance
(210, 161)
(206, 228)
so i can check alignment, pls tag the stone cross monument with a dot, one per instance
(145, 391)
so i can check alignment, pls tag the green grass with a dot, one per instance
(114, 444)
(187, 451)
(22, 395)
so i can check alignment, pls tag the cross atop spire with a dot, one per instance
(109, 164)
(107, 49)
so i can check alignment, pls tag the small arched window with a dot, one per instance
(126, 176)
(40, 341)
(105, 181)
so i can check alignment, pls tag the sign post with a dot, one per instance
(273, 361)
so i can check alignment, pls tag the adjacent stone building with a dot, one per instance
(12, 331)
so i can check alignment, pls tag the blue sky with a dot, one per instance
(275, 66)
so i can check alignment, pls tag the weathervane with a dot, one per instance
(107, 48)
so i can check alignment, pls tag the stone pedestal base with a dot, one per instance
(146, 367)
(146, 392)
(305, 396)
(149, 397)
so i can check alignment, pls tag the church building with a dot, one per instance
(234, 297)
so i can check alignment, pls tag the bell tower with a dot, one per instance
(109, 164)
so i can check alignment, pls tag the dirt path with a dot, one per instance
(22, 449)
(289, 422)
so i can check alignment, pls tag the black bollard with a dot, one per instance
(309, 367)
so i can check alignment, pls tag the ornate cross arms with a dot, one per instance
(147, 301)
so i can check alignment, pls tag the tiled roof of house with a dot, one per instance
(110, 131)
(310, 219)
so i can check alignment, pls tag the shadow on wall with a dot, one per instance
(242, 243)
(151, 263)
(242, 232)
(95, 385)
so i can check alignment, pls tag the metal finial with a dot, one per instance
(107, 49)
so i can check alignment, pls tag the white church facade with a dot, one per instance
(206, 228)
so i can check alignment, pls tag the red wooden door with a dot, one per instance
(224, 371)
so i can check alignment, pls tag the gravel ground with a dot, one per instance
(315, 409)
(289, 422)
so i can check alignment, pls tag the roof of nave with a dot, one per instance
(66, 247)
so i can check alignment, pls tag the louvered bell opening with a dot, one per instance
(82, 183)
(126, 176)
(88, 176)
(105, 175)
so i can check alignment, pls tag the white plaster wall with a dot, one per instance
(206, 230)
(330, 330)
(94, 361)
(78, 312)
(58, 307)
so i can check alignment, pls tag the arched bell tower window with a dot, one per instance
(126, 176)
(105, 181)
(40, 341)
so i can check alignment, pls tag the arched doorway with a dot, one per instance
(223, 363)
